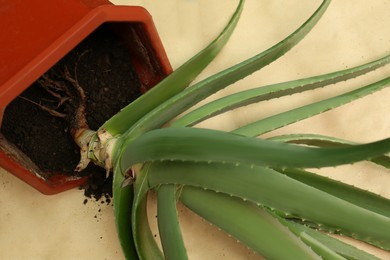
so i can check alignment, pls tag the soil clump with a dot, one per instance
(38, 121)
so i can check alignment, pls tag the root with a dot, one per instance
(53, 87)
(50, 111)
(70, 97)
(68, 93)
(78, 121)
(79, 128)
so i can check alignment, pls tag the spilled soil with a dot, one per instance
(38, 121)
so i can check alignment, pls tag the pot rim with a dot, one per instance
(44, 60)
(21, 80)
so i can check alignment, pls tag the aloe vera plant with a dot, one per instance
(260, 190)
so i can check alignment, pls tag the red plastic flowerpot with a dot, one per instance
(37, 34)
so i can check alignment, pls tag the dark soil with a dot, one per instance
(102, 67)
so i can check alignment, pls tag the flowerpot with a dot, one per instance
(39, 35)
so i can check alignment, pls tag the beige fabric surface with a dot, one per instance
(34, 226)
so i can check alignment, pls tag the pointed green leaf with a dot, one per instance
(193, 144)
(312, 139)
(319, 248)
(362, 198)
(123, 201)
(248, 223)
(173, 84)
(190, 96)
(294, 115)
(145, 244)
(244, 98)
(168, 223)
(326, 141)
(274, 190)
(341, 248)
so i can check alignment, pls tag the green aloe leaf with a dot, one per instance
(326, 141)
(237, 173)
(145, 244)
(193, 144)
(123, 200)
(362, 198)
(320, 248)
(190, 96)
(173, 84)
(267, 187)
(248, 223)
(130, 210)
(337, 246)
(255, 95)
(178, 80)
(168, 223)
(294, 115)
(312, 140)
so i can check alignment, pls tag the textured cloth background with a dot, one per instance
(34, 226)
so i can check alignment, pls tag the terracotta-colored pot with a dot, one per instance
(37, 34)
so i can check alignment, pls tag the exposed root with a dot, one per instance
(79, 128)
(53, 87)
(78, 120)
(69, 97)
(50, 111)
